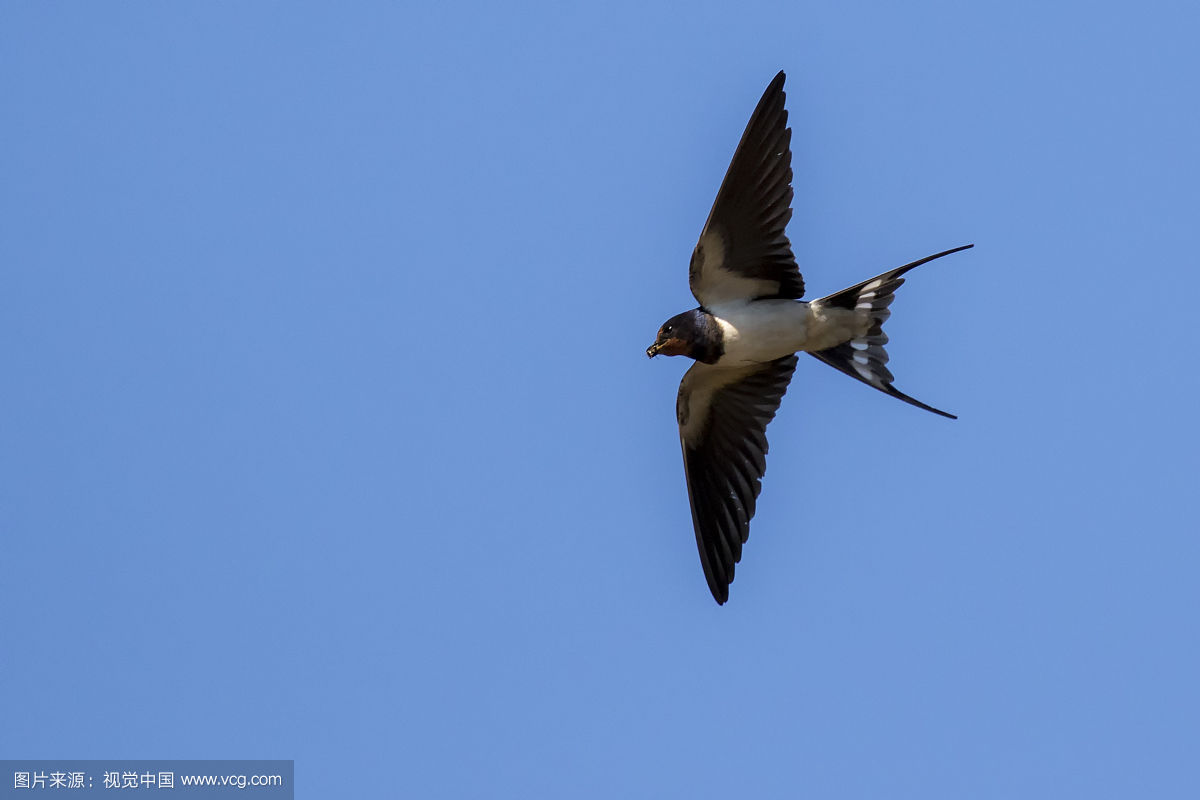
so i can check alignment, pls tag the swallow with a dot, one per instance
(747, 330)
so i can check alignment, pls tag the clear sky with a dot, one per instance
(327, 432)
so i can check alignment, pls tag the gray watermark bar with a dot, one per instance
(144, 779)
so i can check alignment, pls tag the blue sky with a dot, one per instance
(328, 432)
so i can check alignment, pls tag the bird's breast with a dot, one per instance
(761, 330)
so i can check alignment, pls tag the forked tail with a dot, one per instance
(865, 358)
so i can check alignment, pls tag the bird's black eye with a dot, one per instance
(666, 328)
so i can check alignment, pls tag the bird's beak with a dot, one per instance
(653, 349)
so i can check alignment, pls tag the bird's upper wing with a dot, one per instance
(723, 414)
(744, 252)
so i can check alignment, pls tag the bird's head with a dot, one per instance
(693, 333)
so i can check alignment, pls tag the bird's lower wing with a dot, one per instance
(723, 414)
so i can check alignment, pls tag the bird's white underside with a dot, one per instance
(758, 331)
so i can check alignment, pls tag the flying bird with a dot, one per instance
(746, 332)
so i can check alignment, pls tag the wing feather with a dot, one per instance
(723, 416)
(744, 252)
